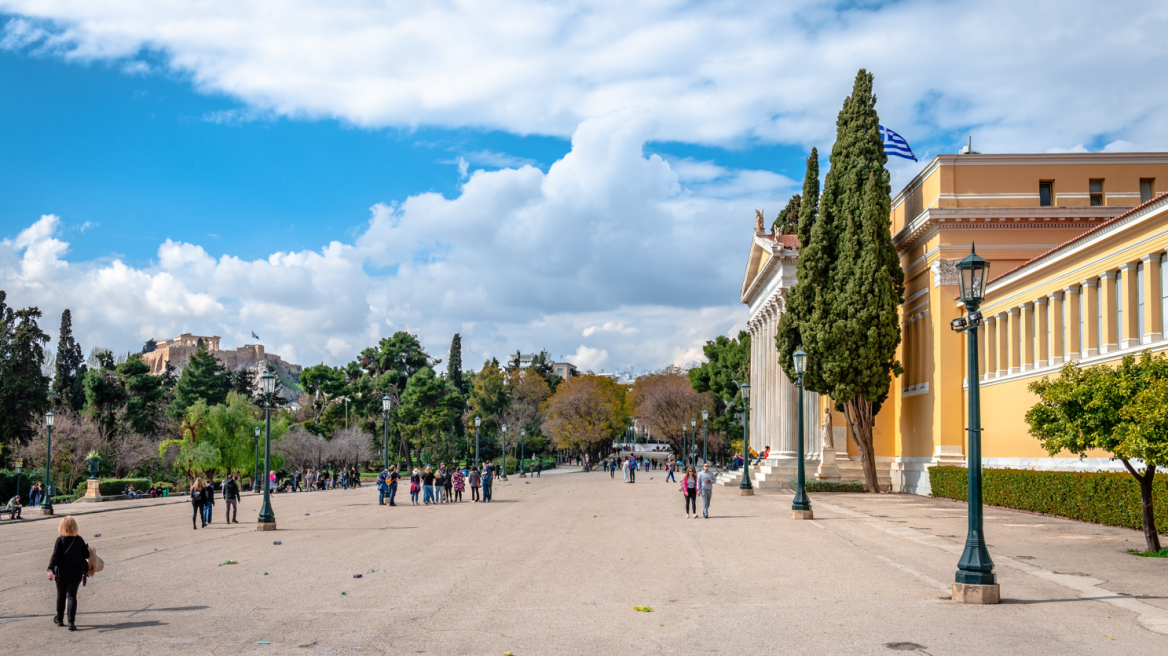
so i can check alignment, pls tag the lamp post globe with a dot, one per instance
(975, 581)
(705, 441)
(47, 495)
(745, 488)
(386, 404)
(801, 506)
(478, 421)
(267, 518)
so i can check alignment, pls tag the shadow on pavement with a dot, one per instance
(106, 628)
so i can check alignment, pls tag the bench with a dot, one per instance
(13, 513)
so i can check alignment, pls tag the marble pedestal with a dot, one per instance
(92, 492)
(802, 514)
(967, 593)
(827, 470)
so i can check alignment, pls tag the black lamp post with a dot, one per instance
(522, 451)
(386, 402)
(19, 468)
(705, 454)
(47, 500)
(319, 448)
(975, 582)
(801, 507)
(255, 472)
(693, 442)
(267, 518)
(503, 475)
(745, 488)
(478, 422)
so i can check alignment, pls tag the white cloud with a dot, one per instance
(1018, 76)
(607, 238)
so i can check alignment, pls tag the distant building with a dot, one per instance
(564, 369)
(178, 352)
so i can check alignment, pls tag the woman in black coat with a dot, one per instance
(68, 566)
(198, 498)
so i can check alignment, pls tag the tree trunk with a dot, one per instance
(1151, 535)
(861, 419)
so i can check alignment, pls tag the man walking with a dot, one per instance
(487, 483)
(208, 500)
(632, 469)
(538, 467)
(669, 467)
(706, 487)
(231, 499)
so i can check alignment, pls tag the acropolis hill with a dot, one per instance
(178, 352)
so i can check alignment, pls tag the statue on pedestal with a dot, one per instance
(826, 431)
(828, 470)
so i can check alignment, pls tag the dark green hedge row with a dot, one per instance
(812, 485)
(114, 486)
(1103, 498)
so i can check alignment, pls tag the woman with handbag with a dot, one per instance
(197, 501)
(459, 484)
(689, 488)
(68, 566)
(415, 486)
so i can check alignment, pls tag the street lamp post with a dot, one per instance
(478, 422)
(745, 488)
(705, 454)
(693, 441)
(319, 448)
(267, 518)
(975, 582)
(503, 476)
(255, 472)
(801, 507)
(47, 500)
(19, 468)
(522, 451)
(386, 402)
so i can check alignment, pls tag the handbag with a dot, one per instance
(414, 487)
(96, 564)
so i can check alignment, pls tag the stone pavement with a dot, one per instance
(556, 564)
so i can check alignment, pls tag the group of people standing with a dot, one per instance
(443, 484)
(203, 500)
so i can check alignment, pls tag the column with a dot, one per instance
(1153, 330)
(1057, 347)
(1014, 339)
(755, 376)
(1128, 333)
(1004, 349)
(789, 427)
(1074, 337)
(1026, 334)
(1090, 304)
(982, 352)
(991, 347)
(775, 374)
(1110, 336)
(1042, 332)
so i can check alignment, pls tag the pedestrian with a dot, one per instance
(415, 485)
(197, 502)
(689, 488)
(632, 469)
(68, 567)
(382, 487)
(14, 507)
(487, 484)
(448, 486)
(394, 477)
(439, 484)
(611, 468)
(34, 496)
(459, 484)
(473, 479)
(669, 467)
(706, 488)
(208, 500)
(538, 467)
(427, 485)
(231, 498)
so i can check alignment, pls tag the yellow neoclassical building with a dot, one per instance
(1077, 246)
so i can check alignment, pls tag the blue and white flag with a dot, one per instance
(254, 335)
(894, 144)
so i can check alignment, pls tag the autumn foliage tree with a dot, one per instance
(585, 415)
(665, 402)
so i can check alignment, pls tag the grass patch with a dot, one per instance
(1163, 553)
(830, 486)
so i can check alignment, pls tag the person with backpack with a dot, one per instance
(415, 486)
(473, 479)
(68, 567)
(382, 487)
(391, 484)
(231, 498)
(197, 502)
(487, 483)
(208, 500)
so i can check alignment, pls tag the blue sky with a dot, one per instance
(577, 177)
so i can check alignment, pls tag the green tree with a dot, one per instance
(585, 414)
(203, 378)
(24, 387)
(70, 369)
(489, 399)
(218, 439)
(727, 360)
(809, 200)
(787, 222)
(454, 365)
(429, 407)
(105, 396)
(1122, 410)
(145, 396)
(847, 315)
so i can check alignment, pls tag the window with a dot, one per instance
(1118, 309)
(1140, 302)
(1146, 190)
(1096, 187)
(1045, 193)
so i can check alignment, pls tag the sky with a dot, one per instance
(580, 177)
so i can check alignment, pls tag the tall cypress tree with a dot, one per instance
(70, 359)
(816, 254)
(788, 219)
(454, 365)
(853, 329)
(24, 388)
(809, 204)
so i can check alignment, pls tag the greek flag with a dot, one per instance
(254, 335)
(894, 144)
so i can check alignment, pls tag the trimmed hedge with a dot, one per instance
(513, 465)
(115, 486)
(812, 485)
(1101, 498)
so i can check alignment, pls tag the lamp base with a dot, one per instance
(970, 593)
(265, 526)
(46, 511)
(802, 514)
(746, 492)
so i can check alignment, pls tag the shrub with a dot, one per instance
(1101, 498)
(830, 486)
(115, 486)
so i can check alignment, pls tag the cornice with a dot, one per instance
(780, 254)
(1002, 217)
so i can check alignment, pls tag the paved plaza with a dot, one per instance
(555, 565)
